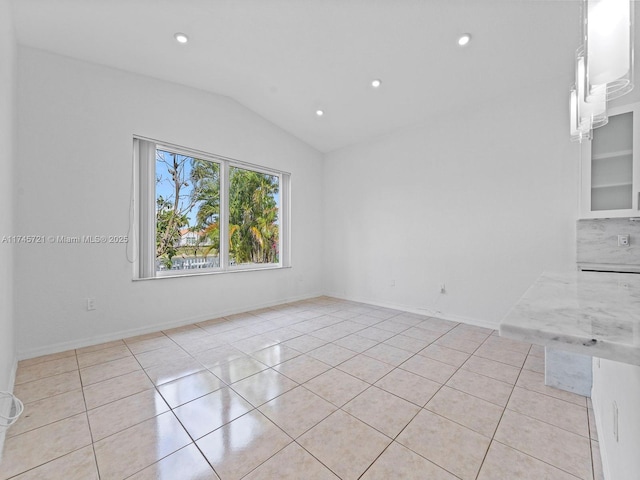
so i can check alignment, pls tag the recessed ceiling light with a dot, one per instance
(181, 38)
(464, 39)
(376, 83)
(319, 113)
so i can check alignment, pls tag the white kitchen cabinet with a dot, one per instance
(610, 167)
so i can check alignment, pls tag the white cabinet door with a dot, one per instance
(610, 167)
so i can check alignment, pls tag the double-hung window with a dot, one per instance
(203, 213)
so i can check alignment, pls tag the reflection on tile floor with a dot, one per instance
(321, 388)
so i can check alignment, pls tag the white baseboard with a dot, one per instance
(477, 322)
(118, 335)
(109, 337)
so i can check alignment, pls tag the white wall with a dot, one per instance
(483, 200)
(619, 383)
(8, 154)
(76, 124)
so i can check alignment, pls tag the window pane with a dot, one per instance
(187, 212)
(254, 223)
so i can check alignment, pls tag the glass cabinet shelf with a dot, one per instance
(612, 185)
(610, 167)
(606, 156)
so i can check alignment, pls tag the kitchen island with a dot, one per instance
(595, 314)
(589, 323)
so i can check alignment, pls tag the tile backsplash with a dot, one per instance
(598, 241)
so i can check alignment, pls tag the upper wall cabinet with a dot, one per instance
(610, 167)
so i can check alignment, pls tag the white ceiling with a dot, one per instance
(286, 58)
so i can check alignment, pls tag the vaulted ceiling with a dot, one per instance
(285, 59)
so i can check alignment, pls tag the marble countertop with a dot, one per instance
(591, 313)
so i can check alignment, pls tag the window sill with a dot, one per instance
(213, 272)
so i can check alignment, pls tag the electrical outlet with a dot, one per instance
(91, 304)
(623, 240)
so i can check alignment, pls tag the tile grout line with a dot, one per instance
(394, 439)
(338, 408)
(259, 332)
(171, 409)
(593, 466)
(493, 439)
(86, 414)
(537, 459)
(70, 452)
(256, 408)
(500, 420)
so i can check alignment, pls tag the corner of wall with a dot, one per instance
(8, 140)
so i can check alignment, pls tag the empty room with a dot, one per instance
(319, 239)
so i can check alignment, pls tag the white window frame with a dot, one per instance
(144, 158)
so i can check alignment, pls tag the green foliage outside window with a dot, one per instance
(253, 216)
(188, 200)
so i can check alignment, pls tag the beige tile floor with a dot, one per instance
(319, 389)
